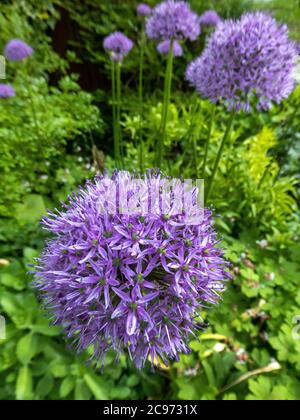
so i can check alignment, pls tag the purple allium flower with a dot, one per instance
(6, 91)
(210, 18)
(17, 50)
(164, 48)
(144, 9)
(118, 45)
(173, 20)
(132, 281)
(251, 57)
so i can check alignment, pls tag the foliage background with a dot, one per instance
(248, 350)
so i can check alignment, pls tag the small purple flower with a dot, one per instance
(118, 45)
(173, 20)
(17, 50)
(246, 59)
(144, 9)
(210, 18)
(6, 91)
(130, 281)
(164, 48)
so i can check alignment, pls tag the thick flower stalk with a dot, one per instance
(170, 21)
(118, 46)
(6, 91)
(129, 269)
(143, 11)
(164, 48)
(17, 50)
(210, 18)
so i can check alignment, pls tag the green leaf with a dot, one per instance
(29, 254)
(44, 386)
(66, 386)
(260, 388)
(230, 397)
(42, 327)
(120, 393)
(31, 210)
(24, 384)
(27, 348)
(209, 373)
(97, 385)
(132, 380)
(82, 392)
(58, 368)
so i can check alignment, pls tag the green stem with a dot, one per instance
(212, 118)
(194, 144)
(141, 74)
(115, 127)
(118, 113)
(165, 110)
(191, 134)
(219, 156)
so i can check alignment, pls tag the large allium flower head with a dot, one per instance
(210, 18)
(130, 266)
(173, 20)
(246, 59)
(144, 10)
(6, 91)
(164, 48)
(17, 50)
(118, 45)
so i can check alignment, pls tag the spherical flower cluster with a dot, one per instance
(164, 48)
(246, 59)
(143, 9)
(209, 18)
(6, 91)
(118, 45)
(17, 50)
(173, 20)
(125, 272)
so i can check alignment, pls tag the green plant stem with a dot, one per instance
(194, 144)
(219, 156)
(141, 103)
(194, 140)
(211, 123)
(115, 127)
(118, 113)
(165, 110)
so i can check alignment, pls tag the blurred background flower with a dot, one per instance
(17, 50)
(6, 91)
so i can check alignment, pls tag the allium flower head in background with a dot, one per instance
(17, 50)
(118, 45)
(251, 57)
(143, 9)
(173, 20)
(210, 18)
(130, 281)
(6, 91)
(164, 48)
